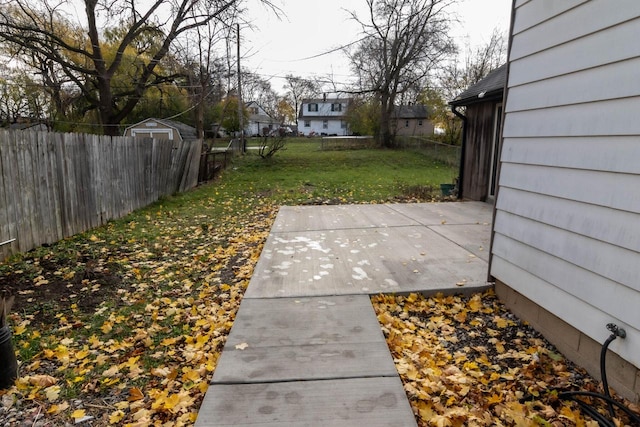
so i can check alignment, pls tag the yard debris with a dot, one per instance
(468, 361)
(132, 321)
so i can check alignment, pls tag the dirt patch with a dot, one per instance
(50, 287)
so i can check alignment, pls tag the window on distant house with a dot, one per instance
(419, 122)
(254, 110)
(406, 123)
(325, 124)
(312, 107)
(307, 123)
(336, 107)
(343, 124)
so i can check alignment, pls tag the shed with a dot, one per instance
(162, 129)
(566, 235)
(481, 117)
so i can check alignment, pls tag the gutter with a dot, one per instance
(463, 149)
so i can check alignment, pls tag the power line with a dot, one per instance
(328, 52)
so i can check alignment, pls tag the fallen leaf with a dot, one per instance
(116, 417)
(56, 409)
(42, 380)
(78, 414)
(52, 393)
(495, 398)
(135, 394)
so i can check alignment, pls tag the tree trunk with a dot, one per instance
(387, 134)
(110, 125)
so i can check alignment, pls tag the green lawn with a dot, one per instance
(304, 174)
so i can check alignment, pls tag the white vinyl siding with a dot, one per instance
(567, 225)
(328, 127)
(323, 116)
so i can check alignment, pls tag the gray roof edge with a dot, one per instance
(490, 86)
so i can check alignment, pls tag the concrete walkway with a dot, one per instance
(306, 348)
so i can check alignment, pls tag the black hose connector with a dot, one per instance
(615, 333)
(615, 330)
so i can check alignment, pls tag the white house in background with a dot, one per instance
(259, 120)
(566, 236)
(326, 116)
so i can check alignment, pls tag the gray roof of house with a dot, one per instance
(187, 132)
(411, 112)
(28, 126)
(492, 86)
(260, 118)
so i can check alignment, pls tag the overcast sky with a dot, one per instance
(276, 47)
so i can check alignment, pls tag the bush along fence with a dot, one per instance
(55, 185)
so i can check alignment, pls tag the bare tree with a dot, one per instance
(270, 145)
(298, 89)
(404, 41)
(90, 57)
(203, 69)
(456, 77)
(256, 88)
(476, 63)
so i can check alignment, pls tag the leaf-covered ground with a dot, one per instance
(470, 362)
(123, 325)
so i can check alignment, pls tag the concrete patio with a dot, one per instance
(306, 347)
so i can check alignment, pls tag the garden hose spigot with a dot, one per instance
(615, 330)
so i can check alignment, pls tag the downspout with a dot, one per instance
(463, 148)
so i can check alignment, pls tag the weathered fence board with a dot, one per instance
(55, 185)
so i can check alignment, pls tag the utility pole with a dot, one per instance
(243, 143)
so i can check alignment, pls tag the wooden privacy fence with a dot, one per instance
(215, 159)
(54, 185)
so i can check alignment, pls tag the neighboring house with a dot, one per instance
(566, 241)
(259, 120)
(162, 129)
(412, 120)
(481, 120)
(325, 116)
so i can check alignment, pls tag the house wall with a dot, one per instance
(567, 223)
(324, 108)
(315, 119)
(255, 127)
(258, 120)
(334, 127)
(477, 161)
(622, 375)
(413, 127)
